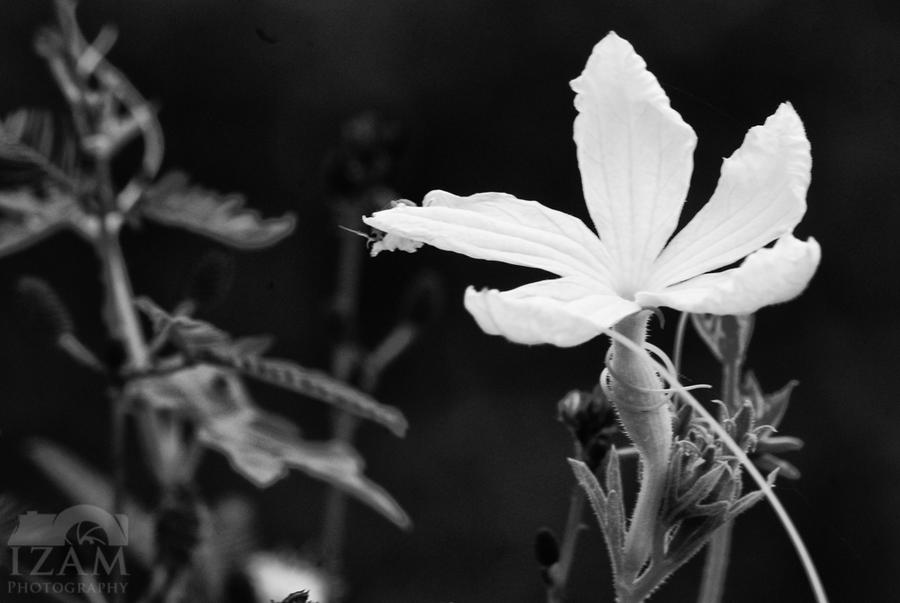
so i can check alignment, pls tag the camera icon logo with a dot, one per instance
(47, 529)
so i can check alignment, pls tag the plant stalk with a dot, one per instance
(344, 360)
(634, 388)
(718, 551)
(559, 573)
(715, 565)
(125, 327)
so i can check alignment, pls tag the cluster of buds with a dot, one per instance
(769, 410)
(704, 484)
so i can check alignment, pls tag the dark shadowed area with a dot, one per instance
(252, 98)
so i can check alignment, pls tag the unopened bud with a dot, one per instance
(590, 418)
(546, 547)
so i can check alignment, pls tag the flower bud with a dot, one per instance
(546, 547)
(590, 418)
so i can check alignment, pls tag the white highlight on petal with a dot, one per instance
(500, 227)
(761, 196)
(635, 154)
(769, 276)
(563, 312)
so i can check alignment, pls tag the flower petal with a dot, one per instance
(761, 195)
(500, 227)
(563, 312)
(769, 276)
(635, 154)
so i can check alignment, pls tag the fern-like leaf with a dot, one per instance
(204, 342)
(260, 446)
(173, 201)
(315, 384)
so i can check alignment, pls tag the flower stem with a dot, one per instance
(644, 412)
(718, 551)
(126, 325)
(344, 360)
(559, 574)
(715, 568)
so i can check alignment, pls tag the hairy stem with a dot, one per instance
(644, 412)
(715, 566)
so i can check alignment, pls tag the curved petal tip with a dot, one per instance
(772, 275)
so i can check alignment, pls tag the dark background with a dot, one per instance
(481, 89)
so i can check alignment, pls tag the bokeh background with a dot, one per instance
(252, 97)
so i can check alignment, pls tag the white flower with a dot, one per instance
(275, 576)
(635, 154)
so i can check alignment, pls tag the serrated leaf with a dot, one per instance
(729, 487)
(588, 482)
(32, 149)
(688, 541)
(744, 503)
(25, 219)
(315, 384)
(607, 509)
(260, 446)
(173, 201)
(726, 336)
(698, 491)
(186, 333)
(616, 526)
(256, 345)
(744, 421)
(613, 471)
(205, 342)
(676, 460)
(264, 458)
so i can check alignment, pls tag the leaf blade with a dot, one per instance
(315, 384)
(26, 219)
(173, 201)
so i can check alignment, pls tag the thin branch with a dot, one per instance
(559, 574)
(344, 360)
